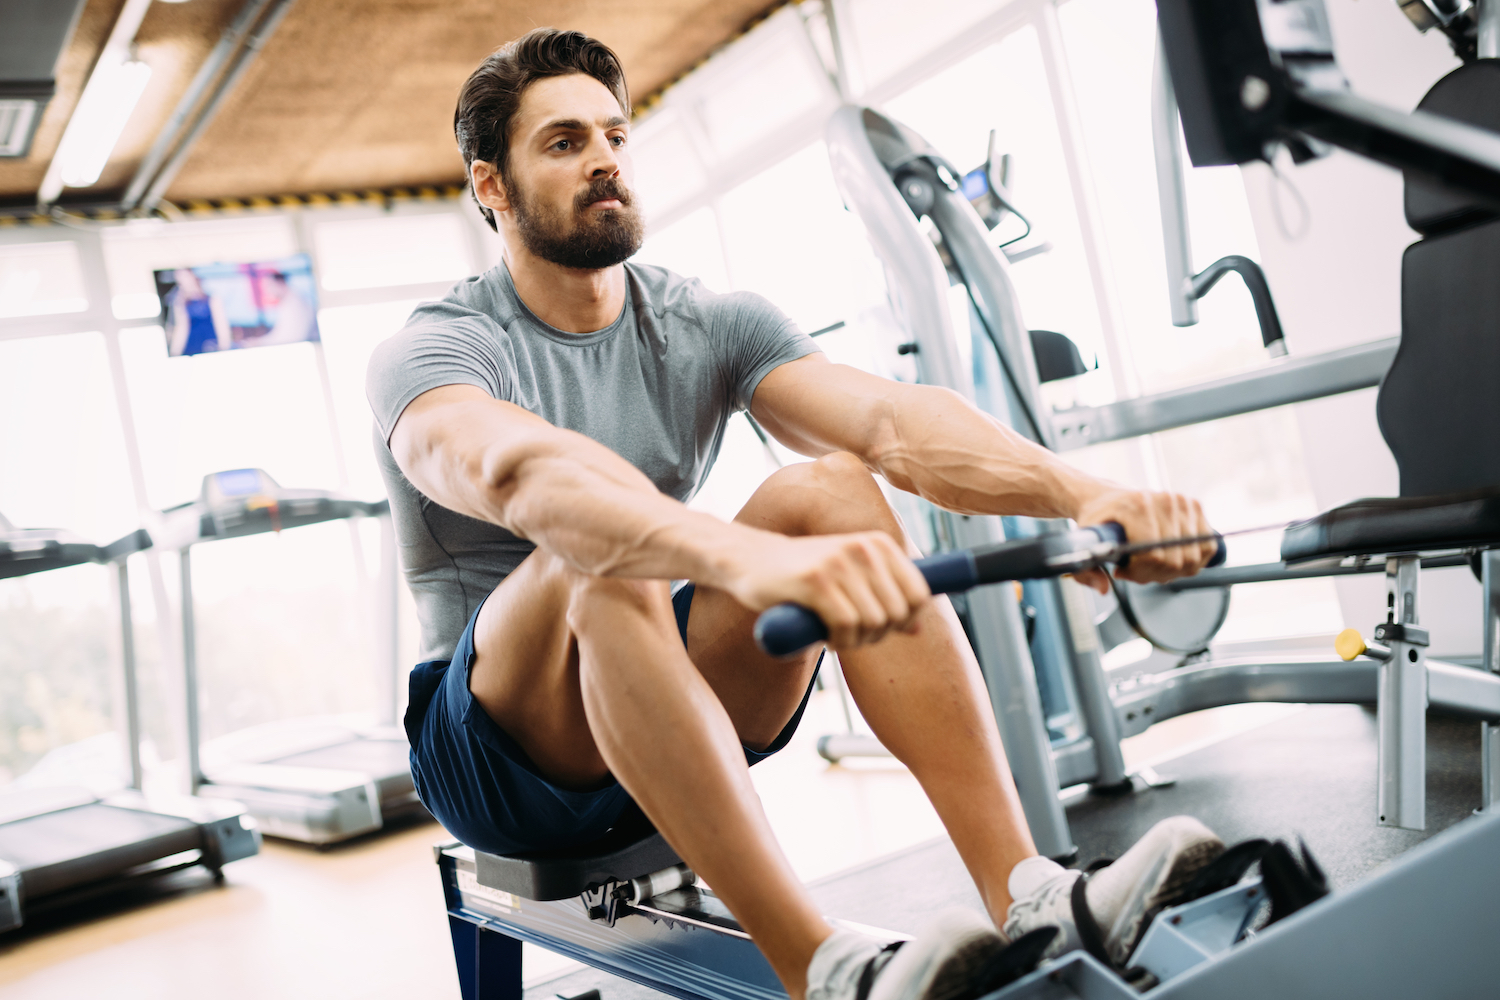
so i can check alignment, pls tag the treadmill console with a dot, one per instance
(24, 551)
(238, 502)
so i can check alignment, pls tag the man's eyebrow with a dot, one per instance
(578, 125)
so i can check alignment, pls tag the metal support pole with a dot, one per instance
(131, 686)
(1005, 661)
(1401, 707)
(1489, 733)
(1171, 188)
(190, 673)
(387, 667)
(1099, 716)
(1488, 18)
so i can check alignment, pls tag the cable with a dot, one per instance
(1010, 375)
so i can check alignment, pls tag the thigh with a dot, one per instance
(761, 693)
(525, 672)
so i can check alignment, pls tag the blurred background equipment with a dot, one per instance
(63, 844)
(312, 779)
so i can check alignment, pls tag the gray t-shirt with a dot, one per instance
(657, 386)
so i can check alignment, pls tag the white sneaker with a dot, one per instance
(1114, 905)
(940, 963)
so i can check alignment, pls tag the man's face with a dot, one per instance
(569, 175)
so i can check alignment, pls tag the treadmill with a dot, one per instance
(315, 780)
(61, 845)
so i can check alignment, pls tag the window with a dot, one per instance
(40, 279)
(1004, 87)
(892, 34)
(788, 237)
(1247, 470)
(690, 246)
(133, 251)
(63, 463)
(393, 250)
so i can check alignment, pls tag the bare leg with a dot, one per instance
(590, 677)
(922, 694)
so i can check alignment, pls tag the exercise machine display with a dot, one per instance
(303, 779)
(59, 845)
(627, 904)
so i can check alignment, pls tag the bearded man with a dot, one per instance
(540, 430)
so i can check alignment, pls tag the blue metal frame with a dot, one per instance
(677, 954)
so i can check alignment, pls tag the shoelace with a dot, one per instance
(1042, 899)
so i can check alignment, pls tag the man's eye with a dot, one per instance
(618, 140)
(561, 144)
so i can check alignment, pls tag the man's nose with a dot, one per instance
(605, 162)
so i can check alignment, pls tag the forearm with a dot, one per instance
(934, 444)
(565, 492)
(605, 524)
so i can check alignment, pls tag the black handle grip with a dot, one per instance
(788, 628)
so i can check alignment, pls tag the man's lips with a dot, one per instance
(607, 203)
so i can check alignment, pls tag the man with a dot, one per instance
(540, 429)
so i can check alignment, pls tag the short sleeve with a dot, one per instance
(755, 338)
(441, 344)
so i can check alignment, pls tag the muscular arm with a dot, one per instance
(929, 441)
(497, 462)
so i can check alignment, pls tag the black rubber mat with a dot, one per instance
(1311, 774)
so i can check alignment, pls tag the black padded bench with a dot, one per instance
(632, 849)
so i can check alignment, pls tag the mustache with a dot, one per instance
(601, 189)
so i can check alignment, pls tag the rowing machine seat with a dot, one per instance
(1390, 525)
(632, 848)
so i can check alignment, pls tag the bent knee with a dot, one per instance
(835, 493)
(594, 598)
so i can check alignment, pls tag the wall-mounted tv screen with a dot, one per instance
(221, 307)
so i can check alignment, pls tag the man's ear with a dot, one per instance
(488, 187)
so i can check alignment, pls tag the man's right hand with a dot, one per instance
(862, 585)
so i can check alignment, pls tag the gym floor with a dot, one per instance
(364, 920)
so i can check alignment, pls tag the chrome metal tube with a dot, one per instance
(247, 53)
(228, 42)
(1277, 383)
(1171, 189)
(387, 666)
(1401, 709)
(1009, 674)
(1487, 16)
(1489, 732)
(131, 684)
(190, 672)
(1098, 711)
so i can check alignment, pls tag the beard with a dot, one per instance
(591, 240)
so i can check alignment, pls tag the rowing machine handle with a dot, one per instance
(788, 628)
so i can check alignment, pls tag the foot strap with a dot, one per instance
(874, 965)
(1090, 935)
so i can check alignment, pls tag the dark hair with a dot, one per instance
(491, 95)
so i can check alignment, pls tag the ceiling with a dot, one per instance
(347, 94)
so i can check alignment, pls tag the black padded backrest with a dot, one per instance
(1439, 408)
(1439, 405)
(1469, 94)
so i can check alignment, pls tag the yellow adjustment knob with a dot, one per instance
(1349, 644)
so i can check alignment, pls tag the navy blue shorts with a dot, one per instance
(482, 786)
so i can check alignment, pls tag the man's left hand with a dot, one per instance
(1146, 517)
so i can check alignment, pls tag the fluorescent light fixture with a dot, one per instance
(16, 118)
(98, 120)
